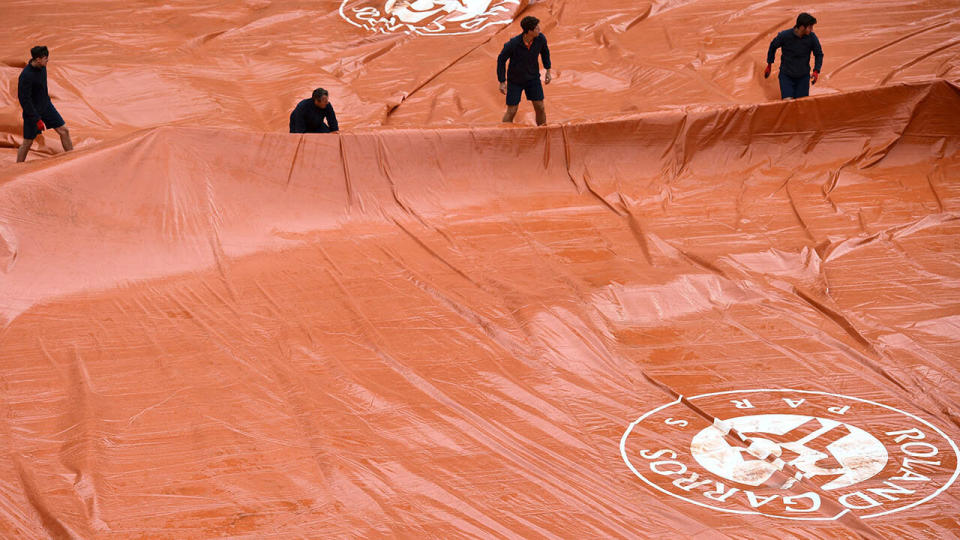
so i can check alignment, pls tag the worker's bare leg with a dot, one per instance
(65, 138)
(22, 151)
(541, 112)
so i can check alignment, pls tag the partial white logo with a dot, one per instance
(429, 17)
(790, 454)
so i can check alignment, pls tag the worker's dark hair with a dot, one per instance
(529, 23)
(805, 19)
(39, 52)
(319, 93)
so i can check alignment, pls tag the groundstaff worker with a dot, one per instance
(314, 115)
(796, 43)
(523, 74)
(38, 111)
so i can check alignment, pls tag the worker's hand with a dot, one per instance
(547, 77)
(766, 72)
(40, 125)
(814, 76)
(503, 88)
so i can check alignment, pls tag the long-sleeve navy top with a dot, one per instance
(795, 55)
(32, 91)
(308, 118)
(523, 60)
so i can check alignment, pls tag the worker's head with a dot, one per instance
(39, 55)
(530, 26)
(321, 97)
(805, 22)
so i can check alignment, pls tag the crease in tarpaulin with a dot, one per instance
(933, 190)
(8, 249)
(208, 205)
(678, 133)
(836, 250)
(293, 160)
(49, 522)
(918, 59)
(796, 211)
(352, 197)
(86, 482)
(582, 181)
(499, 336)
(391, 107)
(817, 134)
(833, 175)
(672, 168)
(434, 253)
(630, 24)
(702, 263)
(877, 155)
(838, 318)
(599, 197)
(636, 228)
(886, 45)
(383, 162)
(567, 161)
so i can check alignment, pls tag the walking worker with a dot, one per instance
(523, 74)
(314, 115)
(796, 43)
(38, 111)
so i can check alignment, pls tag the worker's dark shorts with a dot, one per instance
(51, 118)
(794, 87)
(533, 89)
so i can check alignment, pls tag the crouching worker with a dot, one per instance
(38, 111)
(314, 115)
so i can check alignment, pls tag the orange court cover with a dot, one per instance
(684, 308)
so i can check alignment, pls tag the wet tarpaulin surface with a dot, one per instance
(735, 319)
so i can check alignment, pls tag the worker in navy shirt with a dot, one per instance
(38, 111)
(523, 74)
(796, 44)
(314, 115)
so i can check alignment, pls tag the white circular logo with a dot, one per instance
(428, 17)
(790, 454)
